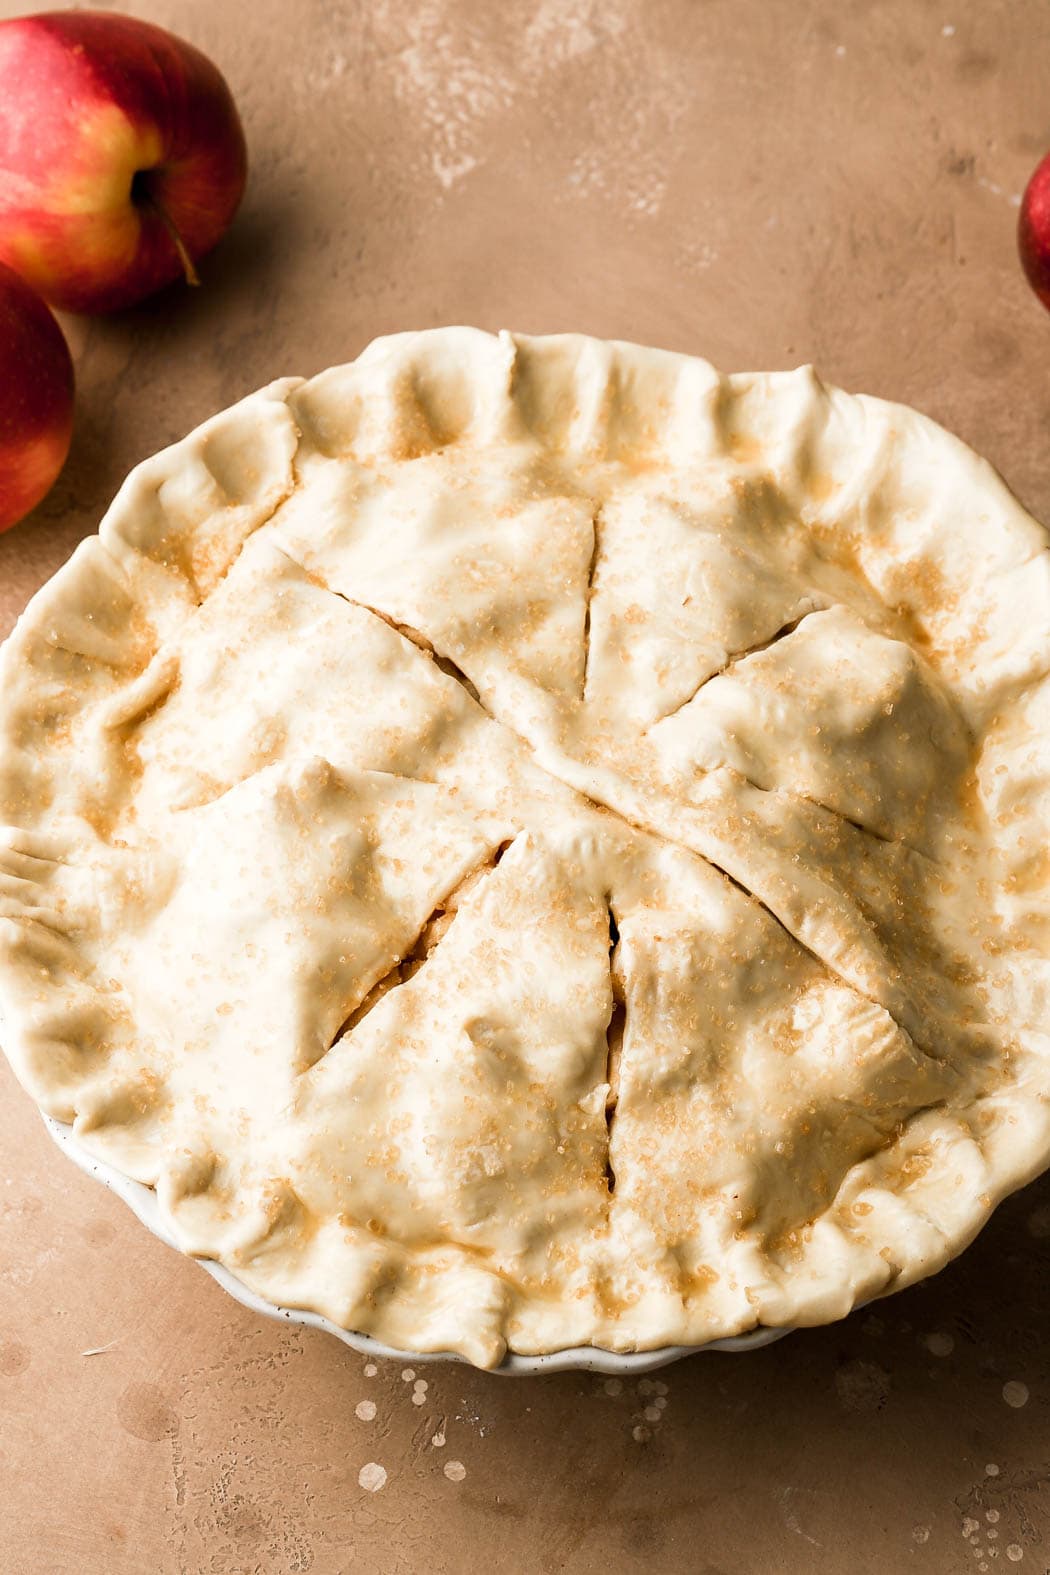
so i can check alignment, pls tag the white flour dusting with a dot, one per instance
(461, 75)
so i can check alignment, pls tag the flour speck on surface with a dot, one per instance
(461, 78)
(920, 1534)
(407, 1374)
(939, 1343)
(455, 1470)
(372, 1477)
(438, 1440)
(564, 30)
(365, 1410)
(471, 1416)
(452, 79)
(1015, 1393)
(613, 1386)
(991, 1469)
(1014, 1552)
(370, 1369)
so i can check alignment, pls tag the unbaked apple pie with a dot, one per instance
(529, 842)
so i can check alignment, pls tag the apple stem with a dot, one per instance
(148, 200)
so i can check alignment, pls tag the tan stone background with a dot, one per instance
(761, 181)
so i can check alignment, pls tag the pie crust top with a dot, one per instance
(528, 842)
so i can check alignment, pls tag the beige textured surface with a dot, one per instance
(760, 184)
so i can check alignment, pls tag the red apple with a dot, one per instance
(1033, 231)
(122, 157)
(36, 398)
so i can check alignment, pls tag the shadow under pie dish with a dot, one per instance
(529, 844)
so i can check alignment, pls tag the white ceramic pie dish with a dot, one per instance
(142, 1201)
(608, 928)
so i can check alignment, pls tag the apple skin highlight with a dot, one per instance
(122, 157)
(36, 398)
(1033, 231)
